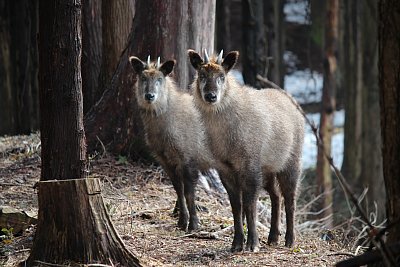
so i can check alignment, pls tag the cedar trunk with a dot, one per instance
(160, 28)
(324, 175)
(92, 41)
(73, 225)
(389, 88)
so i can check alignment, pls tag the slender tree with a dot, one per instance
(324, 175)
(73, 224)
(255, 55)
(166, 29)
(389, 89)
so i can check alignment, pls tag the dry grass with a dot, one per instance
(140, 200)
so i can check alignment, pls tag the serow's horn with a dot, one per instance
(206, 58)
(158, 62)
(219, 59)
(148, 61)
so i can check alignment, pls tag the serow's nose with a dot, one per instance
(149, 97)
(211, 97)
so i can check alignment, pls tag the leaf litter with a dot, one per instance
(140, 200)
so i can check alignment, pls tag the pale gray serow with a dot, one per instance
(256, 136)
(173, 132)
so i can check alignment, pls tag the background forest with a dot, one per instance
(325, 53)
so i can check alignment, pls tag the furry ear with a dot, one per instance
(230, 60)
(167, 67)
(195, 59)
(137, 64)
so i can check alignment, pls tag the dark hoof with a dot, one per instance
(253, 247)
(193, 225)
(289, 241)
(236, 248)
(183, 224)
(273, 240)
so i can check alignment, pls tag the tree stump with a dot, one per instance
(81, 232)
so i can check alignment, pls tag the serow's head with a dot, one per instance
(211, 74)
(151, 84)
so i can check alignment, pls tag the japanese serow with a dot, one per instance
(256, 136)
(173, 132)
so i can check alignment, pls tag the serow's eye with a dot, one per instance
(143, 79)
(220, 79)
(158, 82)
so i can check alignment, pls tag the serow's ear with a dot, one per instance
(167, 67)
(195, 59)
(137, 64)
(230, 60)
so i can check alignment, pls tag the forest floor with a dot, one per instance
(140, 200)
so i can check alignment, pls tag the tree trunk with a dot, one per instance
(255, 54)
(117, 19)
(18, 73)
(223, 25)
(78, 230)
(372, 173)
(92, 45)
(7, 122)
(273, 20)
(166, 29)
(352, 73)
(389, 88)
(23, 28)
(324, 175)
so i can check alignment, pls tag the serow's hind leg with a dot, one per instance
(275, 196)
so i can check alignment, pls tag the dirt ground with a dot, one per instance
(140, 200)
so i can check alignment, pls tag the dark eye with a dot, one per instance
(159, 80)
(222, 78)
(143, 79)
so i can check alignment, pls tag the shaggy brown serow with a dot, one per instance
(173, 132)
(256, 137)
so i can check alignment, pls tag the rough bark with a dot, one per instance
(166, 29)
(324, 174)
(389, 89)
(81, 232)
(73, 225)
(92, 48)
(255, 55)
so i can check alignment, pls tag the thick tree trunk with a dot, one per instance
(389, 88)
(255, 54)
(73, 224)
(92, 240)
(166, 29)
(92, 48)
(324, 174)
